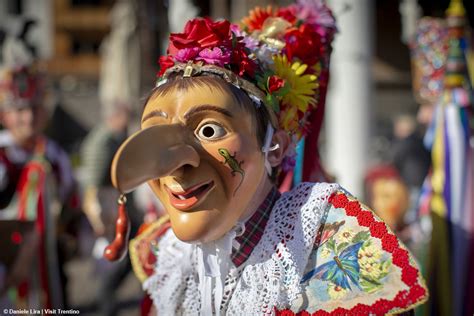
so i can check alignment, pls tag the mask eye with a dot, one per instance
(210, 131)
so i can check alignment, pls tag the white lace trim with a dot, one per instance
(272, 273)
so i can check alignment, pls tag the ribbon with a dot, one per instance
(266, 147)
(213, 266)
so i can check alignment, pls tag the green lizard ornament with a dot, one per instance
(234, 165)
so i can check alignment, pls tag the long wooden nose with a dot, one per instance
(151, 153)
(148, 154)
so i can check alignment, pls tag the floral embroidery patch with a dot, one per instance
(358, 266)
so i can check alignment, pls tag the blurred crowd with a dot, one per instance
(54, 212)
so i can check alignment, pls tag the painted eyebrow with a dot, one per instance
(205, 108)
(154, 113)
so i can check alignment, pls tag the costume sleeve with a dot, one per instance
(358, 266)
(66, 177)
(143, 247)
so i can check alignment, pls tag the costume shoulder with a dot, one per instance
(142, 252)
(358, 266)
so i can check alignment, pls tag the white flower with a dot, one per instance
(345, 235)
(335, 291)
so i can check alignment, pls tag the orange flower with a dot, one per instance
(256, 17)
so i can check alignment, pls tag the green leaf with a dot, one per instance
(361, 236)
(341, 246)
(368, 286)
(370, 280)
(331, 244)
(283, 90)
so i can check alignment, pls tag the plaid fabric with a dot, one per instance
(254, 229)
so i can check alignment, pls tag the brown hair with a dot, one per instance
(176, 81)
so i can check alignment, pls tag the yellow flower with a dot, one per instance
(372, 270)
(369, 254)
(335, 291)
(302, 87)
(325, 252)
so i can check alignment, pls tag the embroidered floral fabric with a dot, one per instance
(358, 266)
(320, 250)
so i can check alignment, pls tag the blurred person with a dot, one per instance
(411, 159)
(409, 155)
(100, 199)
(387, 195)
(96, 157)
(118, 90)
(36, 181)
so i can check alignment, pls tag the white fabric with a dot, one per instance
(269, 278)
(213, 265)
(120, 52)
(266, 147)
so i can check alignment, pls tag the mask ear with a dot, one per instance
(279, 147)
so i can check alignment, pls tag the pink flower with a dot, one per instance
(215, 56)
(185, 54)
(249, 41)
(318, 15)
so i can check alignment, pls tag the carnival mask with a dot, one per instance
(198, 150)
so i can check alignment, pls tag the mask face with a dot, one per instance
(221, 174)
(24, 123)
(390, 200)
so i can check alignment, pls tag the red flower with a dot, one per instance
(378, 229)
(360, 309)
(409, 275)
(285, 312)
(352, 208)
(400, 257)
(287, 13)
(339, 311)
(275, 83)
(401, 299)
(417, 292)
(201, 33)
(241, 61)
(382, 306)
(305, 44)
(338, 200)
(256, 18)
(165, 63)
(389, 243)
(365, 218)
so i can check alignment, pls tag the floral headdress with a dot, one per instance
(275, 55)
(429, 53)
(21, 84)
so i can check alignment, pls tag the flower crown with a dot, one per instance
(20, 87)
(429, 54)
(277, 56)
(21, 81)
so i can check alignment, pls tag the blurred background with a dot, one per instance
(100, 57)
